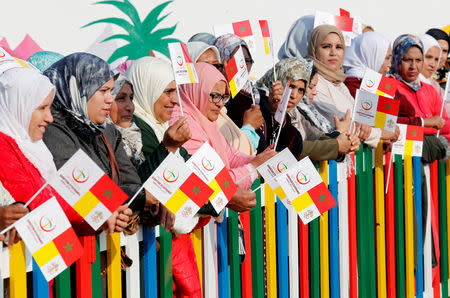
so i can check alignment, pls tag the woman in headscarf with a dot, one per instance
(317, 145)
(44, 59)
(298, 36)
(444, 42)
(407, 64)
(327, 48)
(205, 37)
(431, 58)
(241, 109)
(245, 139)
(82, 103)
(370, 50)
(202, 103)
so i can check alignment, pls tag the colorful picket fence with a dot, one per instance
(364, 247)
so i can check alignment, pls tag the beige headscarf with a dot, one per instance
(317, 36)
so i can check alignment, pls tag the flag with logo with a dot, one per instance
(85, 187)
(183, 67)
(410, 141)
(376, 83)
(208, 165)
(243, 29)
(236, 70)
(273, 167)
(50, 238)
(282, 106)
(267, 38)
(177, 187)
(306, 190)
(343, 22)
(375, 110)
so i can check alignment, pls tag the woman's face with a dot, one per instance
(297, 92)
(312, 91)
(213, 109)
(99, 105)
(40, 118)
(412, 64)
(444, 53)
(331, 51)
(208, 56)
(163, 107)
(431, 62)
(122, 108)
(387, 62)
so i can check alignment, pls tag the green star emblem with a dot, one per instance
(242, 29)
(321, 198)
(108, 193)
(388, 106)
(343, 24)
(414, 133)
(388, 86)
(68, 247)
(196, 190)
(226, 184)
(231, 69)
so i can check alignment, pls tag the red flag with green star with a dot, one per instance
(243, 28)
(322, 197)
(388, 105)
(343, 23)
(264, 28)
(68, 246)
(231, 69)
(108, 193)
(388, 85)
(226, 183)
(197, 190)
(414, 133)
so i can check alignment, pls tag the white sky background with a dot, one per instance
(55, 24)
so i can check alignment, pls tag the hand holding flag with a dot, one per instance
(280, 113)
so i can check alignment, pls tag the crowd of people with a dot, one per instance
(128, 119)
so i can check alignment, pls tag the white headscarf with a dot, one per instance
(428, 42)
(149, 77)
(197, 48)
(368, 50)
(21, 92)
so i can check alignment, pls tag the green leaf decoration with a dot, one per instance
(142, 36)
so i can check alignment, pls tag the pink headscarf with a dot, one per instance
(194, 99)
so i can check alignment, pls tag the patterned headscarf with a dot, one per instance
(401, 46)
(44, 59)
(287, 69)
(76, 78)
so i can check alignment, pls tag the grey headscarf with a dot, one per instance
(76, 78)
(203, 36)
(296, 43)
(197, 48)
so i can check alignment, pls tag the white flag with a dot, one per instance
(183, 67)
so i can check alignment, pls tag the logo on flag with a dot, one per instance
(306, 190)
(80, 175)
(215, 175)
(50, 238)
(367, 105)
(410, 141)
(375, 82)
(170, 176)
(183, 67)
(281, 166)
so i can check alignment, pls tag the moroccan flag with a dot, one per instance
(182, 64)
(306, 190)
(344, 23)
(236, 71)
(344, 13)
(85, 187)
(264, 24)
(208, 165)
(375, 110)
(375, 82)
(243, 29)
(410, 141)
(177, 187)
(50, 238)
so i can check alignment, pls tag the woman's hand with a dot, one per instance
(10, 214)
(434, 122)
(263, 156)
(343, 124)
(150, 199)
(362, 131)
(389, 135)
(242, 200)
(344, 144)
(176, 135)
(118, 221)
(275, 95)
(254, 117)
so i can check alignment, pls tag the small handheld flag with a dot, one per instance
(236, 71)
(306, 190)
(376, 83)
(177, 187)
(50, 238)
(410, 141)
(243, 29)
(280, 113)
(344, 23)
(208, 165)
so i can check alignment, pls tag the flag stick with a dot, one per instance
(278, 135)
(269, 25)
(35, 195)
(251, 92)
(248, 174)
(389, 173)
(135, 195)
(444, 99)
(179, 98)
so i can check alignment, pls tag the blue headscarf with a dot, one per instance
(401, 46)
(44, 59)
(76, 78)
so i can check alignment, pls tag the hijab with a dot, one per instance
(317, 36)
(203, 36)
(195, 99)
(197, 48)
(76, 78)
(149, 77)
(439, 34)
(44, 59)
(428, 42)
(296, 43)
(21, 92)
(401, 46)
(368, 50)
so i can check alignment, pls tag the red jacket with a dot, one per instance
(22, 180)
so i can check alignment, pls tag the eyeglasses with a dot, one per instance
(219, 66)
(216, 97)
